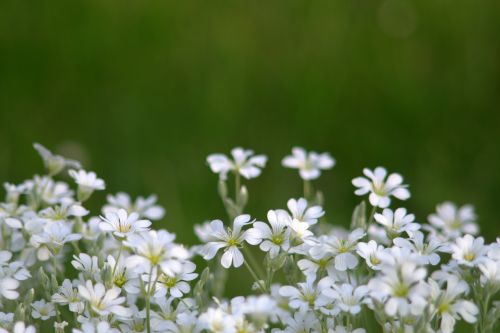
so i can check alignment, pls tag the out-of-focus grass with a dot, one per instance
(143, 91)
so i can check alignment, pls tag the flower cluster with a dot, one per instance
(65, 269)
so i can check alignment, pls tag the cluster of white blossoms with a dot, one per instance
(64, 269)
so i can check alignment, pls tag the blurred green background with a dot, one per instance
(143, 91)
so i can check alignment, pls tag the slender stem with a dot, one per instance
(117, 259)
(148, 302)
(237, 185)
(307, 189)
(253, 261)
(256, 278)
(372, 213)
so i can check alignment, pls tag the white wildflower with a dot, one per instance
(120, 223)
(309, 164)
(42, 310)
(380, 188)
(230, 239)
(243, 162)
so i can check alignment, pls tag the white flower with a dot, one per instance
(96, 327)
(42, 310)
(20, 327)
(155, 248)
(145, 207)
(102, 301)
(87, 183)
(309, 164)
(301, 322)
(54, 236)
(450, 305)
(469, 251)
(304, 296)
(371, 253)
(54, 163)
(128, 279)
(343, 329)
(218, 321)
(63, 211)
(6, 318)
(397, 222)
(346, 297)
(230, 240)
(175, 284)
(454, 221)
(69, 295)
(490, 270)
(244, 162)
(427, 251)
(379, 188)
(302, 213)
(120, 223)
(271, 239)
(401, 289)
(342, 248)
(8, 286)
(86, 264)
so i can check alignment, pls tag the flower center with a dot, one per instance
(120, 280)
(374, 260)
(400, 290)
(470, 256)
(232, 242)
(443, 307)
(169, 281)
(277, 239)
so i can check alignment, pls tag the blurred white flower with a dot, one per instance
(302, 297)
(68, 295)
(397, 222)
(342, 248)
(371, 253)
(380, 188)
(490, 272)
(145, 207)
(54, 163)
(401, 289)
(243, 162)
(52, 239)
(426, 251)
(217, 321)
(348, 298)
(453, 221)
(96, 327)
(42, 310)
(86, 264)
(20, 327)
(155, 248)
(309, 164)
(469, 251)
(449, 303)
(87, 183)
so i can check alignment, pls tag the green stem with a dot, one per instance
(148, 302)
(372, 213)
(307, 189)
(117, 259)
(256, 278)
(237, 185)
(253, 261)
